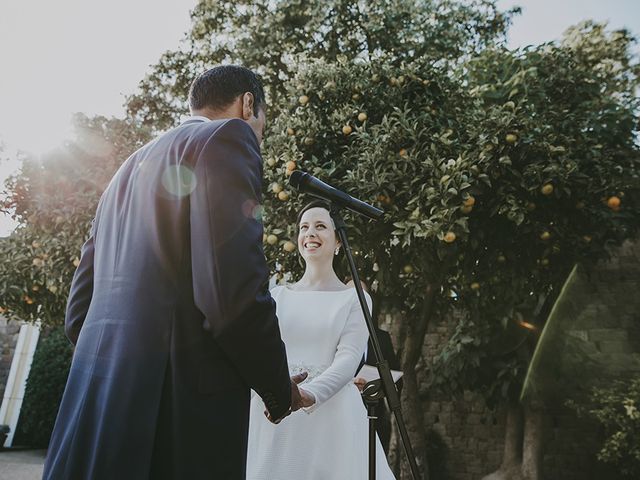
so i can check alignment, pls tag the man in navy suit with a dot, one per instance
(169, 309)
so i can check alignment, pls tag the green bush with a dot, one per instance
(617, 410)
(45, 386)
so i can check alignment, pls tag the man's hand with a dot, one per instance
(297, 400)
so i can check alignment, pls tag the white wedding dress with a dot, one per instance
(325, 335)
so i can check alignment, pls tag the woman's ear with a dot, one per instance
(247, 106)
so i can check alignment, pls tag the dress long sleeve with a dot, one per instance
(351, 345)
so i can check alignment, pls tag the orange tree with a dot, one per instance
(273, 37)
(496, 180)
(53, 198)
(557, 136)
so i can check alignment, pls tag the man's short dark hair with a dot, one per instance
(220, 86)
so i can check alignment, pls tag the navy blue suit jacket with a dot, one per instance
(171, 316)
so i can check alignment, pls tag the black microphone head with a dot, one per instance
(296, 178)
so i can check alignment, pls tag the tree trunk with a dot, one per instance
(522, 458)
(511, 467)
(532, 446)
(412, 410)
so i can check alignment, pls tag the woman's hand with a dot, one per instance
(360, 383)
(307, 398)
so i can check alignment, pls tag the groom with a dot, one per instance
(169, 310)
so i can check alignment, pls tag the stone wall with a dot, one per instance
(609, 323)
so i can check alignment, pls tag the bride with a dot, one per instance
(325, 334)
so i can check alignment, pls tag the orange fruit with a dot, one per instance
(403, 152)
(271, 161)
(502, 258)
(347, 130)
(272, 239)
(362, 117)
(291, 131)
(284, 196)
(547, 189)
(475, 286)
(613, 202)
(291, 165)
(545, 236)
(450, 237)
(466, 209)
(276, 188)
(289, 247)
(408, 269)
(511, 138)
(469, 201)
(303, 100)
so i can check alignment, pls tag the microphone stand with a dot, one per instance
(372, 392)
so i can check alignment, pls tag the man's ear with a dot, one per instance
(247, 106)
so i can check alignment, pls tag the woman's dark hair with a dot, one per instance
(218, 87)
(313, 204)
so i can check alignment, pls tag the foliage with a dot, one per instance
(617, 410)
(494, 185)
(274, 38)
(556, 140)
(54, 199)
(45, 385)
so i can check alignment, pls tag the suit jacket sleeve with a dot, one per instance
(230, 274)
(81, 290)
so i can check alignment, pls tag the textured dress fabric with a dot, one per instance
(325, 335)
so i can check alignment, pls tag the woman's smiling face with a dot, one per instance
(316, 235)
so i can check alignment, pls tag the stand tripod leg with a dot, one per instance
(371, 411)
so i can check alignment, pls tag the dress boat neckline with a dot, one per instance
(287, 287)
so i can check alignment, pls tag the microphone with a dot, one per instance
(309, 184)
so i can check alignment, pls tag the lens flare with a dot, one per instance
(179, 180)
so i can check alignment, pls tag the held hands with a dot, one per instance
(299, 398)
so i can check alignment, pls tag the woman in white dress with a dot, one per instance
(325, 334)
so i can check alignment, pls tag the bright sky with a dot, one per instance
(64, 56)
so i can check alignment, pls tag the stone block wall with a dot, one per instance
(609, 323)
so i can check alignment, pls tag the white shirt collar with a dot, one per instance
(199, 118)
